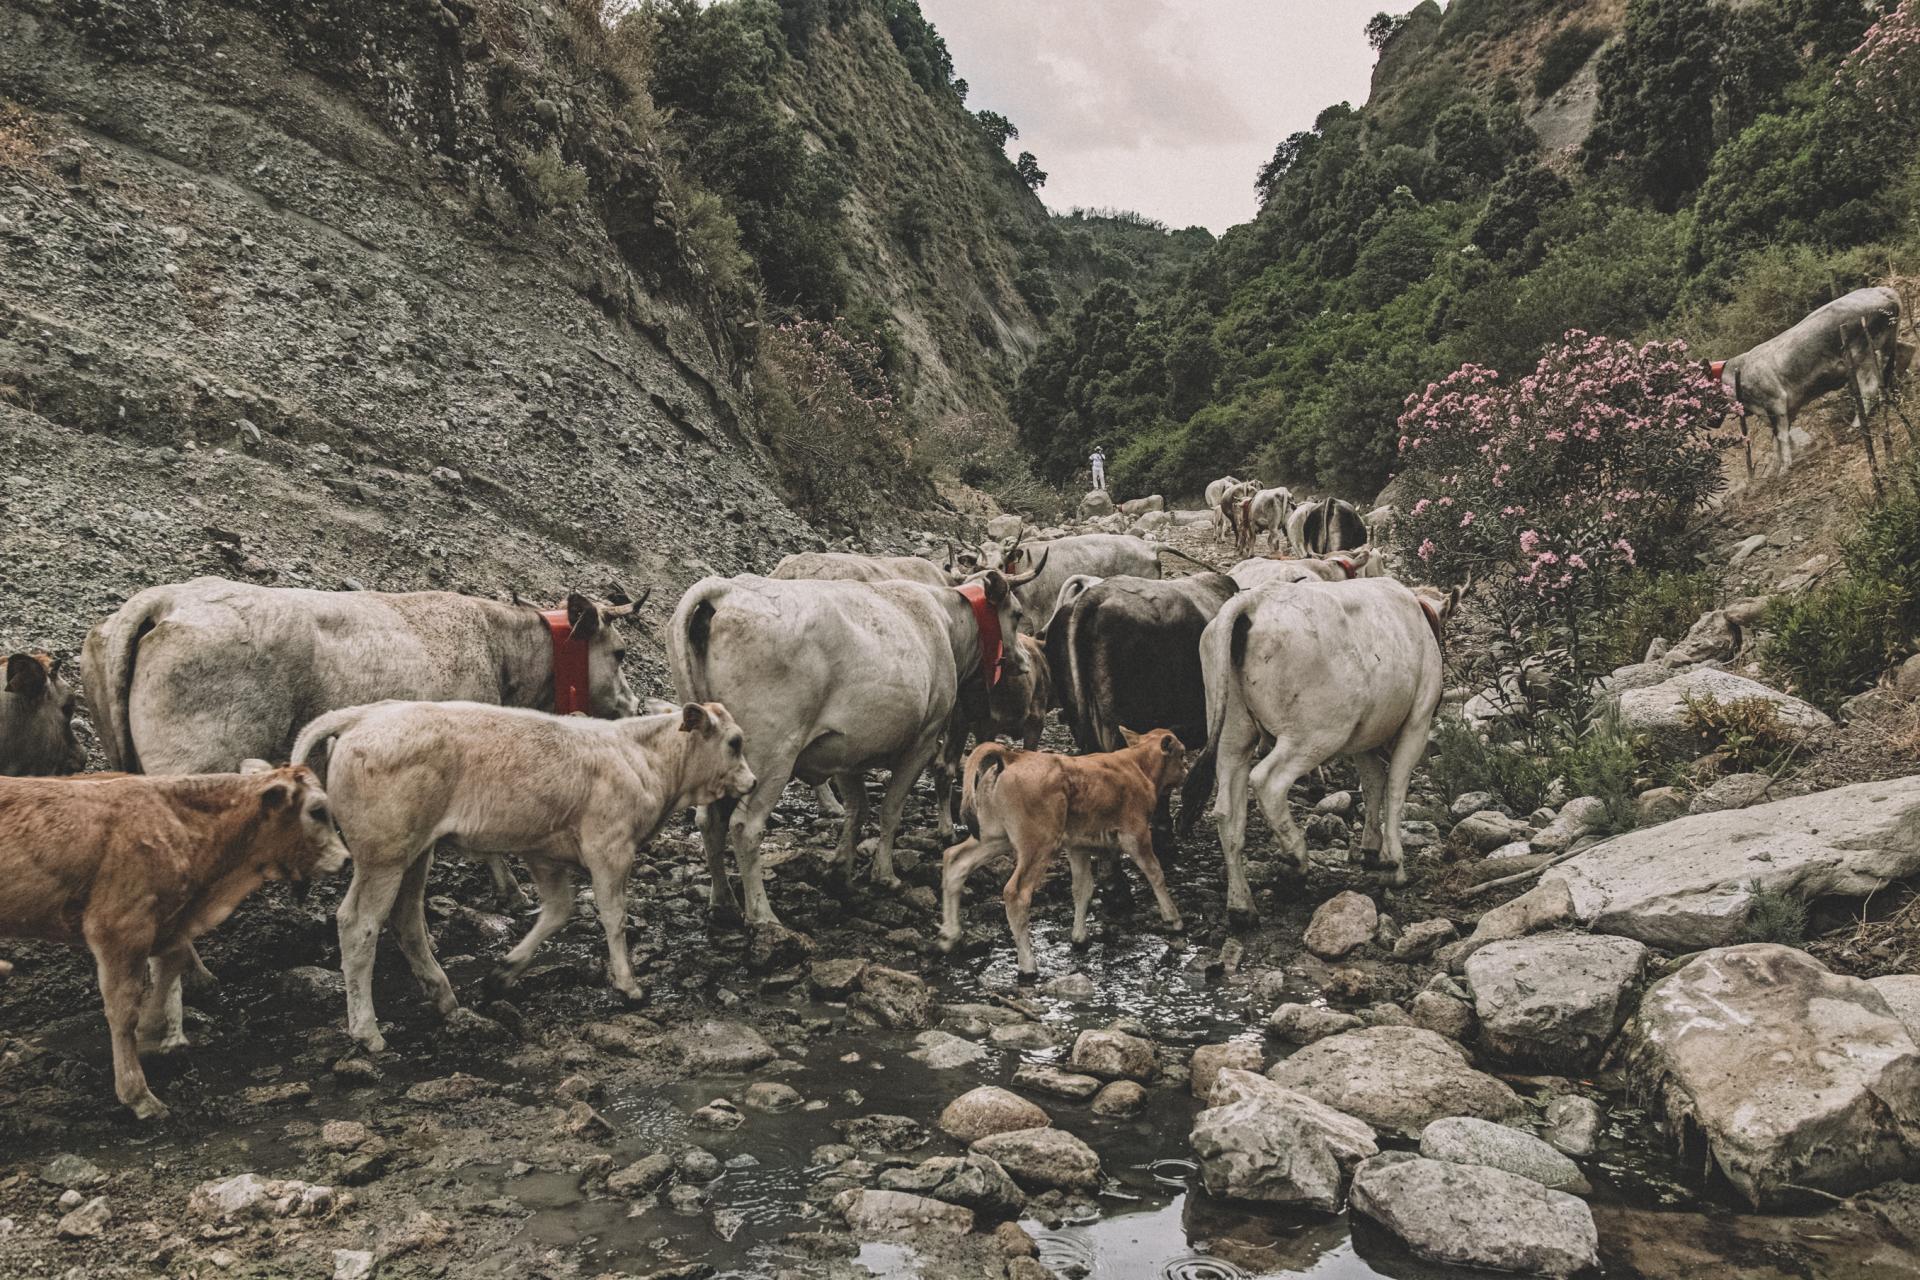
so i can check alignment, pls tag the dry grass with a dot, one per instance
(24, 141)
(1878, 942)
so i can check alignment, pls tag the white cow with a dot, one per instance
(829, 679)
(1048, 566)
(560, 791)
(1258, 571)
(847, 566)
(1324, 670)
(1218, 491)
(1268, 514)
(1325, 526)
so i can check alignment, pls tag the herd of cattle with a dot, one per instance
(416, 723)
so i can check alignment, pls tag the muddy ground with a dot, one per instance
(488, 1141)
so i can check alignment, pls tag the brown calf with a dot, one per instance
(136, 868)
(1033, 803)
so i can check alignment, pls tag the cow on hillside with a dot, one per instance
(1321, 669)
(1851, 341)
(37, 706)
(829, 680)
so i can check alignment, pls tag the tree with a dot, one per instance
(1030, 171)
(1514, 207)
(1657, 88)
(1381, 28)
(999, 129)
(1293, 149)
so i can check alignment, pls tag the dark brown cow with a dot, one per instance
(36, 719)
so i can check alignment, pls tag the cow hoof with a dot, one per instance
(633, 995)
(1177, 928)
(150, 1108)
(497, 983)
(725, 915)
(889, 882)
(373, 1042)
(947, 944)
(163, 1048)
(1026, 979)
(1242, 917)
(1081, 944)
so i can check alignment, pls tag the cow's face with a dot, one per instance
(298, 839)
(594, 622)
(36, 718)
(717, 753)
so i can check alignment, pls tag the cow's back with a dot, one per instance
(1101, 555)
(1310, 651)
(1134, 651)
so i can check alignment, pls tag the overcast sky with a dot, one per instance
(1166, 107)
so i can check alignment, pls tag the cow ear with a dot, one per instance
(1170, 745)
(26, 675)
(584, 615)
(250, 766)
(695, 718)
(1129, 735)
(280, 794)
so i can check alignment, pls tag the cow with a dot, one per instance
(1015, 708)
(1102, 555)
(1133, 659)
(1323, 670)
(830, 679)
(1033, 804)
(1257, 571)
(1054, 638)
(1267, 512)
(1851, 341)
(198, 676)
(1325, 527)
(36, 719)
(1234, 512)
(1214, 493)
(135, 869)
(846, 566)
(559, 791)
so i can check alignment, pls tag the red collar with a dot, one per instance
(1718, 366)
(1433, 621)
(572, 694)
(993, 658)
(1346, 566)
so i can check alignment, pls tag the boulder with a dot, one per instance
(1399, 1079)
(1277, 1146)
(1901, 991)
(771, 1096)
(1555, 999)
(1659, 804)
(896, 1000)
(721, 1048)
(1209, 1060)
(1475, 1216)
(944, 1051)
(1306, 1023)
(1689, 884)
(971, 1181)
(1140, 506)
(1343, 923)
(641, 1177)
(1468, 803)
(1906, 678)
(1545, 906)
(989, 1110)
(1041, 1078)
(1420, 938)
(1748, 545)
(1119, 1098)
(248, 1195)
(881, 1212)
(1464, 1140)
(1637, 675)
(70, 1172)
(1446, 1015)
(1735, 791)
(1659, 712)
(1487, 830)
(1792, 1075)
(1002, 527)
(1714, 638)
(85, 1222)
(1150, 522)
(1095, 504)
(834, 979)
(1573, 1124)
(1043, 1159)
(1582, 816)
(1114, 1055)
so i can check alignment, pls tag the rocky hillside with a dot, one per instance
(355, 293)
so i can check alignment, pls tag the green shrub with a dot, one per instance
(1564, 55)
(1459, 760)
(1774, 917)
(1747, 732)
(554, 183)
(1605, 762)
(1666, 604)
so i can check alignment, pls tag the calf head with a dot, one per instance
(296, 837)
(36, 719)
(593, 622)
(716, 763)
(1163, 756)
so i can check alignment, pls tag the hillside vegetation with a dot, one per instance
(1734, 176)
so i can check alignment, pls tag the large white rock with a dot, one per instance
(1464, 1140)
(1399, 1079)
(1343, 923)
(1554, 999)
(1113, 1055)
(1792, 1075)
(1659, 712)
(1277, 1145)
(990, 1109)
(1901, 991)
(1476, 1216)
(1688, 884)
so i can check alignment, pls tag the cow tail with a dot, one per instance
(984, 769)
(688, 639)
(324, 729)
(107, 669)
(1175, 551)
(1223, 650)
(1088, 728)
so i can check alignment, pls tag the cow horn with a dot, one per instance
(617, 593)
(1021, 580)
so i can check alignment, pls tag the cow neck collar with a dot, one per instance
(1433, 623)
(986, 620)
(572, 695)
(1346, 566)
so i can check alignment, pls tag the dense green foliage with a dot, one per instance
(1564, 55)
(1396, 242)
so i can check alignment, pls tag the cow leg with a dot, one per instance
(506, 890)
(1138, 845)
(854, 787)
(1373, 797)
(1080, 862)
(161, 1029)
(957, 863)
(894, 802)
(409, 917)
(1029, 869)
(946, 771)
(555, 885)
(1407, 750)
(1195, 790)
(123, 977)
(609, 863)
(376, 882)
(748, 825)
(827, 802)
(1272, 782)
(1234, 753)
(1782, 427)
(713, 820)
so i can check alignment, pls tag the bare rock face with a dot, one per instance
(1659, 712)
(1477, 1216)
(1788, 1074)
(1554, 999)
(1263, 1142)
(1689, 884)
(1901, 991)
(1399, 1079)
(1343, 923)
